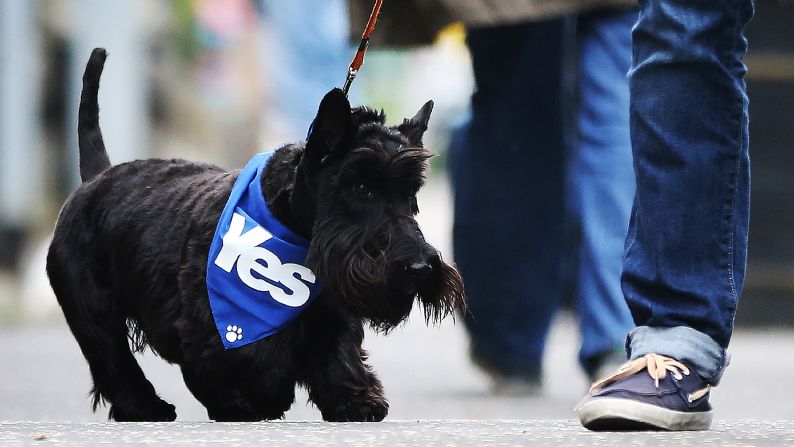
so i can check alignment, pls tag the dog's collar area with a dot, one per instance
(257, 280)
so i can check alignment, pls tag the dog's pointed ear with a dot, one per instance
(415, 128)
(332, 128)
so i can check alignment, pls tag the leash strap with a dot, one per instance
(358, 59)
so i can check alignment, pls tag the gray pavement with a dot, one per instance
(398, 433)
(436, 395)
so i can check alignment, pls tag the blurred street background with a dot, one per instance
(212, 80)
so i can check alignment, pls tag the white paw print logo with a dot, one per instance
(233, 333)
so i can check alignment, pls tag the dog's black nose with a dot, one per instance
(420, 270)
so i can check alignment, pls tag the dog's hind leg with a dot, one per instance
(223, 402)
(251, 395)
(100, 327)
(119, 379)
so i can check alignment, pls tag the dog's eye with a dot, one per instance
(362, 190)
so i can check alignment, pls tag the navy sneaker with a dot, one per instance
(653, 392)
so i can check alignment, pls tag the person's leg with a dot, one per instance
(685, 253)
(507, 170)
(601, 182)
(307, 56)
(687, 245)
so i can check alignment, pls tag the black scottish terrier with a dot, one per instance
(129, 258)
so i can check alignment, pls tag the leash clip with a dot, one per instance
(358, 59)
(351, 74)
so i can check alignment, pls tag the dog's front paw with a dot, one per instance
(373, 410)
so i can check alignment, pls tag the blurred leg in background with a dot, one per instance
(516, 186)
(507, 167)
(601, 185)
(21, 158)
(307, 55)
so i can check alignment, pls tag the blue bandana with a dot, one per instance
(256, 277)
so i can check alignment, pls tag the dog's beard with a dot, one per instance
(443, 294)
(364, 270)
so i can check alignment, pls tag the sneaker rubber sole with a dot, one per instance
(614, 414)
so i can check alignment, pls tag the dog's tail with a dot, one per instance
(93, 157)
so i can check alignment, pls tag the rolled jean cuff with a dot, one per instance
(706, 357)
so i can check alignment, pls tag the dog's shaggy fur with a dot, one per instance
(129, 257)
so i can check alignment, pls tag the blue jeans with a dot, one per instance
(686, 249)
(512, 176)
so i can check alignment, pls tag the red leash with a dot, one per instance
(358, 60)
